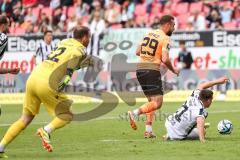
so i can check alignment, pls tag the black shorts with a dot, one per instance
(150, 81)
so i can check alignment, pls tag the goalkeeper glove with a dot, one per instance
(63, 83)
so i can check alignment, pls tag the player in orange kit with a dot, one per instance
(153, 51)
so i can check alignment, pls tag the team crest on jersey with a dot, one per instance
(3, 38)
(3, 44)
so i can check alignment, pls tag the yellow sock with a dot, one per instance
(55, 124)
(14, 130)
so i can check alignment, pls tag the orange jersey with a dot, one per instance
(154, 44)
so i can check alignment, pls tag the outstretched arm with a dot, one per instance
(201, 129)
(167, 62)
(165, 56)
(209, 84)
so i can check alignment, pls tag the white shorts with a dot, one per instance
(173, 135)
(193, 135)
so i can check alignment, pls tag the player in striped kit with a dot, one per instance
(189, 120)
(4, 23)
(45, 47)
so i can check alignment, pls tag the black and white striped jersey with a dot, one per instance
(185, 119)
(43, 51)
(3, 44)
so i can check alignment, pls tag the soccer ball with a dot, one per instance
(225, 127)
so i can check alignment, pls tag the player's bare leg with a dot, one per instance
(155, 102)
(14, 130)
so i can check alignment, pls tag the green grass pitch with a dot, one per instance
(111, 138)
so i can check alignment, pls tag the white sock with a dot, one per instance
(2, 148)
(148, 128)
(48, 128)
(136, 112)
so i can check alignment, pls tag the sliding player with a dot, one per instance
(188, 122)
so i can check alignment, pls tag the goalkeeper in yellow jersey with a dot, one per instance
(45, 84)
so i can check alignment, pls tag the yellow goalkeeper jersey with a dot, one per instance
(70, 54)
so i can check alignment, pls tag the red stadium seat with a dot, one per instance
(230, 25)
(117, 8)
(181, 8)
(71, 11)
(140, 19)
(235, 4)
(140, 10)
(29, 3)
(227, 3)
(48, 11)
(176, 1)
(173, 6)
(85, 19)
(182, 19)
(64, 10)
(152, 16)
(36, 11)
(206, 10)
(156, 7)
(19, 31)
(155, 12)
(167, 8)
(182, 26)
(197, 6)
(35, 29)
(11, 30)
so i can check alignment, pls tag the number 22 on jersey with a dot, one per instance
(53, 56)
